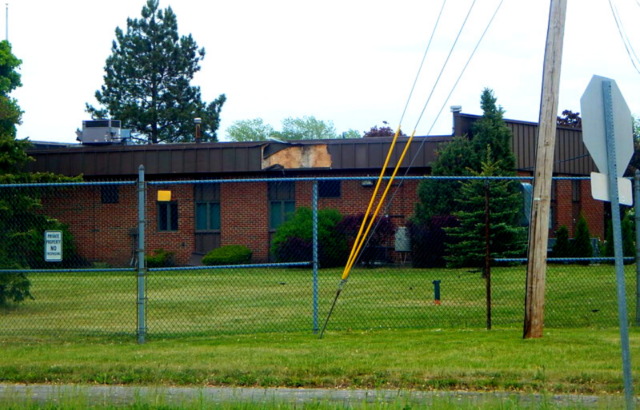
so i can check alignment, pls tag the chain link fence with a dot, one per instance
(192, 258)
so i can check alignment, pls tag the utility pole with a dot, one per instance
(539, 229)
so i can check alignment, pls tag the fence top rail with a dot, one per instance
(67, 184)
(594, 259)
(96, 270)
(313, 179)
(256, 265)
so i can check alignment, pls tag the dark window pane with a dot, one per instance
(329, 189)
(201, 217)
(162, 216)
(174, 217)
(289, 210)
(214, 215)
(575, 190)
(275, 217)
(109, 194)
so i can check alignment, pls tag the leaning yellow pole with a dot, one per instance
(352, 256)
(359, 244)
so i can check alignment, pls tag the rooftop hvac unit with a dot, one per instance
(96, 132)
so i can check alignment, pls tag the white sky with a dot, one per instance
(349, 61)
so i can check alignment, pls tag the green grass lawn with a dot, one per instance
(215, 302)
(565, 360)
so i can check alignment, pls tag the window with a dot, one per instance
(282, 203)
(207, 198)
(109, 194)
(280, 211)
(329, 189)
(167, 216)
(207, 216)
(575, 190)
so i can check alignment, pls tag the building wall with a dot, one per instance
(103, 231)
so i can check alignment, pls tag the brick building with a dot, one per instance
(200, 217)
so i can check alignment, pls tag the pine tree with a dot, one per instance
(463, 155)
(490, 131)
(468, 241)
(582, 247)
(436, 195)
(147, 81)
(561, 249)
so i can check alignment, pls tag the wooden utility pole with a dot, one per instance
(539, 229)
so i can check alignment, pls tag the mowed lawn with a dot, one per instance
(234, 301)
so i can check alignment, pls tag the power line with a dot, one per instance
(625, 40)
(422, 62)
(444, 104)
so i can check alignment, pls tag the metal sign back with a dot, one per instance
(593, 125)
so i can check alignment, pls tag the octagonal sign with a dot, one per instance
(593, 125)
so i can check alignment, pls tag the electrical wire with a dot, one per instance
(443, 105)
(357, 247)
(422, 62)
(625, 40)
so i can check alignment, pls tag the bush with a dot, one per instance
(228, 255)
(160, 259)
(293, 241)
(562, 248)
(428, 241)
(377, 240)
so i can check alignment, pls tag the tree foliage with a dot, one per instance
(490, 133)
(22, 222)
(506, 238)
(462, 156)
(306, 128)
(249, 130)
(569, 119)
(385, 131)
(303, 128)
(562, 247)
(582, 247)
(147, 81)
(292, 241)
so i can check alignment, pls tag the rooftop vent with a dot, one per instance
(102, 132)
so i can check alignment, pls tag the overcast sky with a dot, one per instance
(349, 61)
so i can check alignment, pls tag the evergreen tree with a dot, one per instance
(463, 155)
(628, 237)
(582, 247)
(490, 132)
(21, 220)
(561, 249)
(437, 196)
(147, 81)
(506, 238)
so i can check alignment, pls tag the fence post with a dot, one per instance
(487, 257)
(315, 256)
(142, 272)
(636, 201)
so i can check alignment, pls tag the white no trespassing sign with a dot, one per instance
(53, 246)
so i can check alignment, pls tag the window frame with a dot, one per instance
(171, 206)
(327, 190)
(209, 222)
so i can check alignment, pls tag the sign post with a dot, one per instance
(605, 112)
(53, 246)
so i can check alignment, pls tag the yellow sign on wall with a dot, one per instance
(164, 196)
